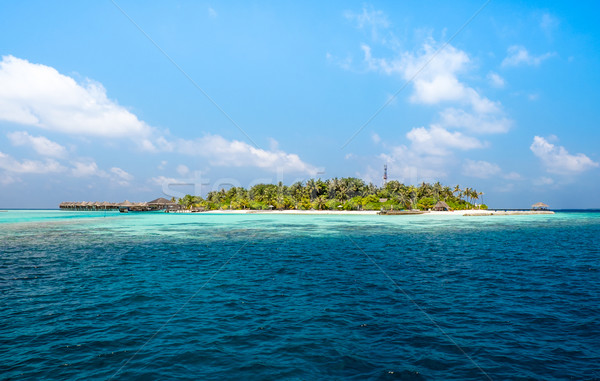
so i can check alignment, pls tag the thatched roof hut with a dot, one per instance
(539, 206)
(441, 206)
(126, 203)
(161, 201)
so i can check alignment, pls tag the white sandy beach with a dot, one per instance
(473, 212)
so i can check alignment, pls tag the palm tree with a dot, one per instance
(437, 190)
(446, 192)
(457, 191)
(332, 187)
(320, 202)
(369, 189)
(402, 199)
(412, 194)
(313, 188)
(467, 194)
(474, 195)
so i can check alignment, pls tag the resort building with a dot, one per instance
(160, 204)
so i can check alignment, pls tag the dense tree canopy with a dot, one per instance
(336, 194)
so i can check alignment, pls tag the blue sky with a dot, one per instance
(112, 100)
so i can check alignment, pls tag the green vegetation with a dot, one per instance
(335, 194)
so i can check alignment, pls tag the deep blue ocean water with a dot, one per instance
(265, 297)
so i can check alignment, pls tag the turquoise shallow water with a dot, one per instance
(164, 296)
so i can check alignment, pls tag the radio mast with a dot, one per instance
(384, 174)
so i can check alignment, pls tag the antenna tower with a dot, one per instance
(384, 174)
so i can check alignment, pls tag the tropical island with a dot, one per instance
(348, 194)
(316, 196)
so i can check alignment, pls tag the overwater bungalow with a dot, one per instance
(163, 204)
(160, 204)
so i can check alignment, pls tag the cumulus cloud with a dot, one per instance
(411, 166)
(10, 164)
(234, 153)
(519, 55)
(480, 169)
(40, 144)
(436, 140)
(434, 76)
(89, 168)
(86, 168)
(558, 160)
(475, 122)
(428, 155)
(38, 95)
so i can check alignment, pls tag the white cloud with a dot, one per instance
(182, 170)
(480, 169)
(162, 165)
(429, 154)
(375, 137)
(234, 153)
(558, 160)
(163, 180)
(475, 122)
(513, 176)
(410, 166)
(40, 144)
(540, 181)
(437, 140)
(369, 18)
(435, 80)
(434, 75)
(10, 164)
(89, 168)
(121, 174)
(496, 80)
(38, 95)
(344, 63)
(518, 55)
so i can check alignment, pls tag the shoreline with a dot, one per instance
(466, 213)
